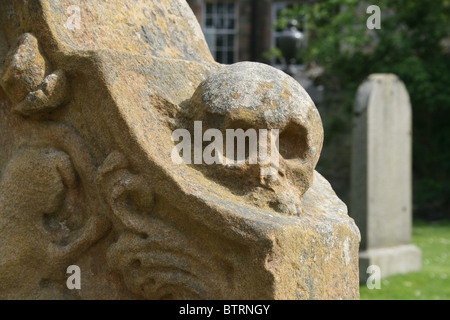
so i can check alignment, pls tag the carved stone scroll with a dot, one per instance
(86, 175)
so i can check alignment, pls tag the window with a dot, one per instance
(219, 27)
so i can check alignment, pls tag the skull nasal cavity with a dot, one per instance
(293, 142)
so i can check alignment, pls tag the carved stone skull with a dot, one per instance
(251, 95)
(88, 178)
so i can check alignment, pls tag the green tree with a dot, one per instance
(413, 43)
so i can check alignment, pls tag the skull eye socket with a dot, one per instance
(250, 142)
(293, 142)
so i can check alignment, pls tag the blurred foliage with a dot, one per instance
(273, 53)
(409, 44)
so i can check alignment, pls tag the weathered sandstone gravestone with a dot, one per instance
(381, 176)
(89, 99)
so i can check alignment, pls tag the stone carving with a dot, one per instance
(151, 265)
(253, 95)
(49, 210)
(86, 177)
(26, 83)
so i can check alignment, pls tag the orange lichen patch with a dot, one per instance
(272, 104)
(286, 94)
(172, 53)
(264, 86)
(243, 114)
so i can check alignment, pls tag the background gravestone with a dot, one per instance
(381, 176)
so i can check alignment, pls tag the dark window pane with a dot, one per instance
(209, 22)
(209, 8)
(230, 40)
(230, 57)
(227, 24)
(230, 8)
(220, 40)
(230, 24)
(220, 8)
(219, 23)
(219, 56)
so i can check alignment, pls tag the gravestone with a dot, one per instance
(90, 96)
(381, 181)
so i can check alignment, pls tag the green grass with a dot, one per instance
(433, 281)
